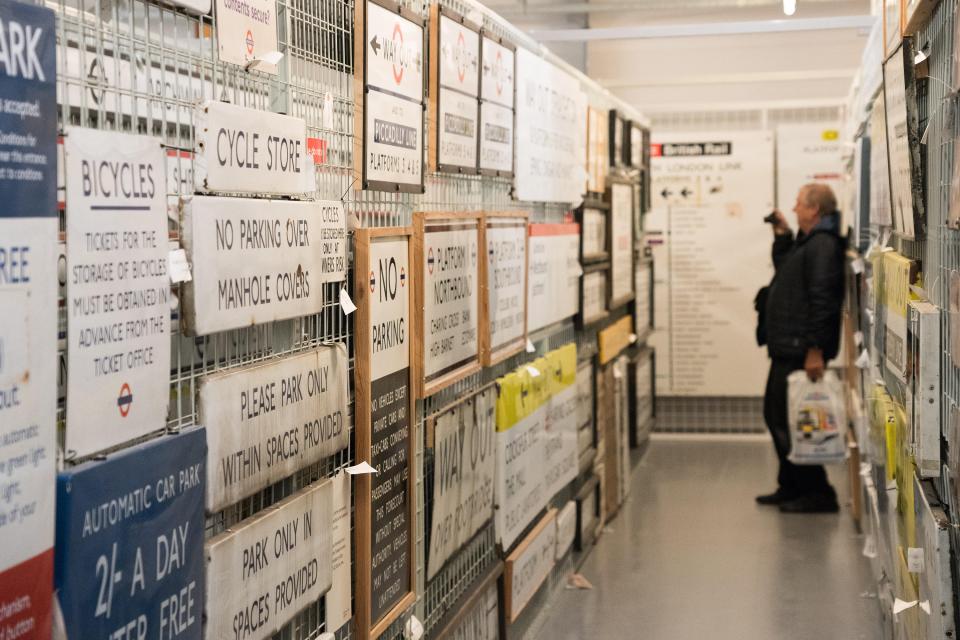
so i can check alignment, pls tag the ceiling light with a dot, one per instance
(789, 7)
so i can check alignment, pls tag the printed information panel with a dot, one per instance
(393, 140)
(554, 272)
(267, 421)
(808, 153)
(458, 78)
(337, 600)
(250, 151)
(257, 261)
(527, 567)
(551, 142)
(621, 242)
(497, 73)
(247, 31)
(118, 290)
(594, 230)
(457, 130)
(594, 298)
(463, 475)
(130, 542)
(450, 295)
(28, 337)
(263, 572)
(506, 281)
(496, 138)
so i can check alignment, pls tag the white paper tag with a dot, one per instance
(530, 347)
(858, 338)
(179, 267)
(863, 361)
(271, 58)
(857, 265)
(363, 467)
(328, 110)
(870, 547)
(915, 559)
(633, 338)
(413, 629)
(925, 606)
(346, 303)
(902, 605)
(533, 371)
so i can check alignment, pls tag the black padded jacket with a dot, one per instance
(805, 299)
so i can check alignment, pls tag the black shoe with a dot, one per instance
(812, 503)
(777, 497)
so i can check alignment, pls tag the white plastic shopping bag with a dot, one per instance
(817, 417)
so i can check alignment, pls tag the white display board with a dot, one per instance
(118, 289)
(394, 52)
(554, 273)
(560, 448)
(265, 571)
(250, 151)
(879, 167)
(530, 564)
(710, 194)
(463, 475)
(337, 600)
(496, 106)
(807, 153)
(901, 118)
(621, 242)
(506, 240)
(393, 140)
(257, 261)
(459, 87)
(268, 420)
(247, 31)
(551, 137)
(497, 73)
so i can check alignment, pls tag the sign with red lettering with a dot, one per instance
(118, 289)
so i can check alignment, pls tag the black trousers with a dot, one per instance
(794, 479)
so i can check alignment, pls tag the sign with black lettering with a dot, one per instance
(384, 507)
(263, 572)
(257, 261)
(506, 298)
(476, 615)
(247, 31)
(337, 602)
(448, 259)
(463, 475)
(620, 241)
(529, 565)
(389, 44)
(118, 289)
(28, 320)
(455, 86)
(496, 105)
(245, 150)
(129, 560)
(266, 421)
(554, 270)
(593, 232)
(593, 294)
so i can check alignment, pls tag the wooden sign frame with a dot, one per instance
(433, 104)
(582, 319)
(364, 627)
(595, 205)
(469, 600)
(613, 303)
(361, 88)
(506, 44)
(420, 219)
(489, 356)
(549, 518)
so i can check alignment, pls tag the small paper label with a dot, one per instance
(328, 110)
(900, 606)
(915, 559)
(358, 469)
(346, 303)
(857, 265)
(530, 347)
(533, 371)
(179, 267)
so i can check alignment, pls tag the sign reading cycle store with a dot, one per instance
(250, 151)
(130, 542)
(448, 294)
(391, 46)
(257, 261)
(28, 322)
(118, 290)
(266, 421)
(384, 508)
(265, 571)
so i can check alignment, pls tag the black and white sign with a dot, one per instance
(497, 77)
(118, 307)
(481, 620)
(528, 567)
(266, 421)
(247, 31)
(394, 52)
(250, 151)
(463, 475)
(451, 255)
(458, 88)
(496, 107)
(337, 601)
(551, 142)
(621, 243)
(593, 305)
(263, 572)
(554, 274)
(457, 131)
(593, 226)
(903, 141)
(393, 140)
(506, 240)
(256, 261)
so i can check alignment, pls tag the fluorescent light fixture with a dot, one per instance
(789, 7)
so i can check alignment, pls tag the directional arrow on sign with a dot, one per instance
(666, 193)
(685, 192)
(375, 45)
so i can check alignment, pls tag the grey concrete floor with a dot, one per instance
(691, 556)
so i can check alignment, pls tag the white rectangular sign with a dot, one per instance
(506, 280)
(643, 281)
(554, 274)
(118, 290)
(256, 261)
(450, 296)
(393, 140)
(457, 129)
(337, 600)
(394, 52)
(621, 241)
(520, 475)
(496, 138)
(459, 56)
(560, 436)
(250, 151)
(594, 295)
(898, 144)
(463, 475)
(527, 569)
(247, 31)
(808, 153)
(497, 73)
(482, 622)
(879, 167)
(551, 136)
(263, 572)
(594, 231)
(266, 421)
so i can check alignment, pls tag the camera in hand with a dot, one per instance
(771, 218)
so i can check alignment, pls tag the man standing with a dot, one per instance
(803, 309)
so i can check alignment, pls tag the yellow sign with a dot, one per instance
(615, 339)
(524, 390)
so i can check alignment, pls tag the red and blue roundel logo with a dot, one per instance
(125, 400)
(373, 281)
(430, 261)
(249, 41)
(403, 277)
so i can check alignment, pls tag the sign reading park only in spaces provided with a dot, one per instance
(28, 322)
(118, 290)
(257, 261)
(269, 420)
